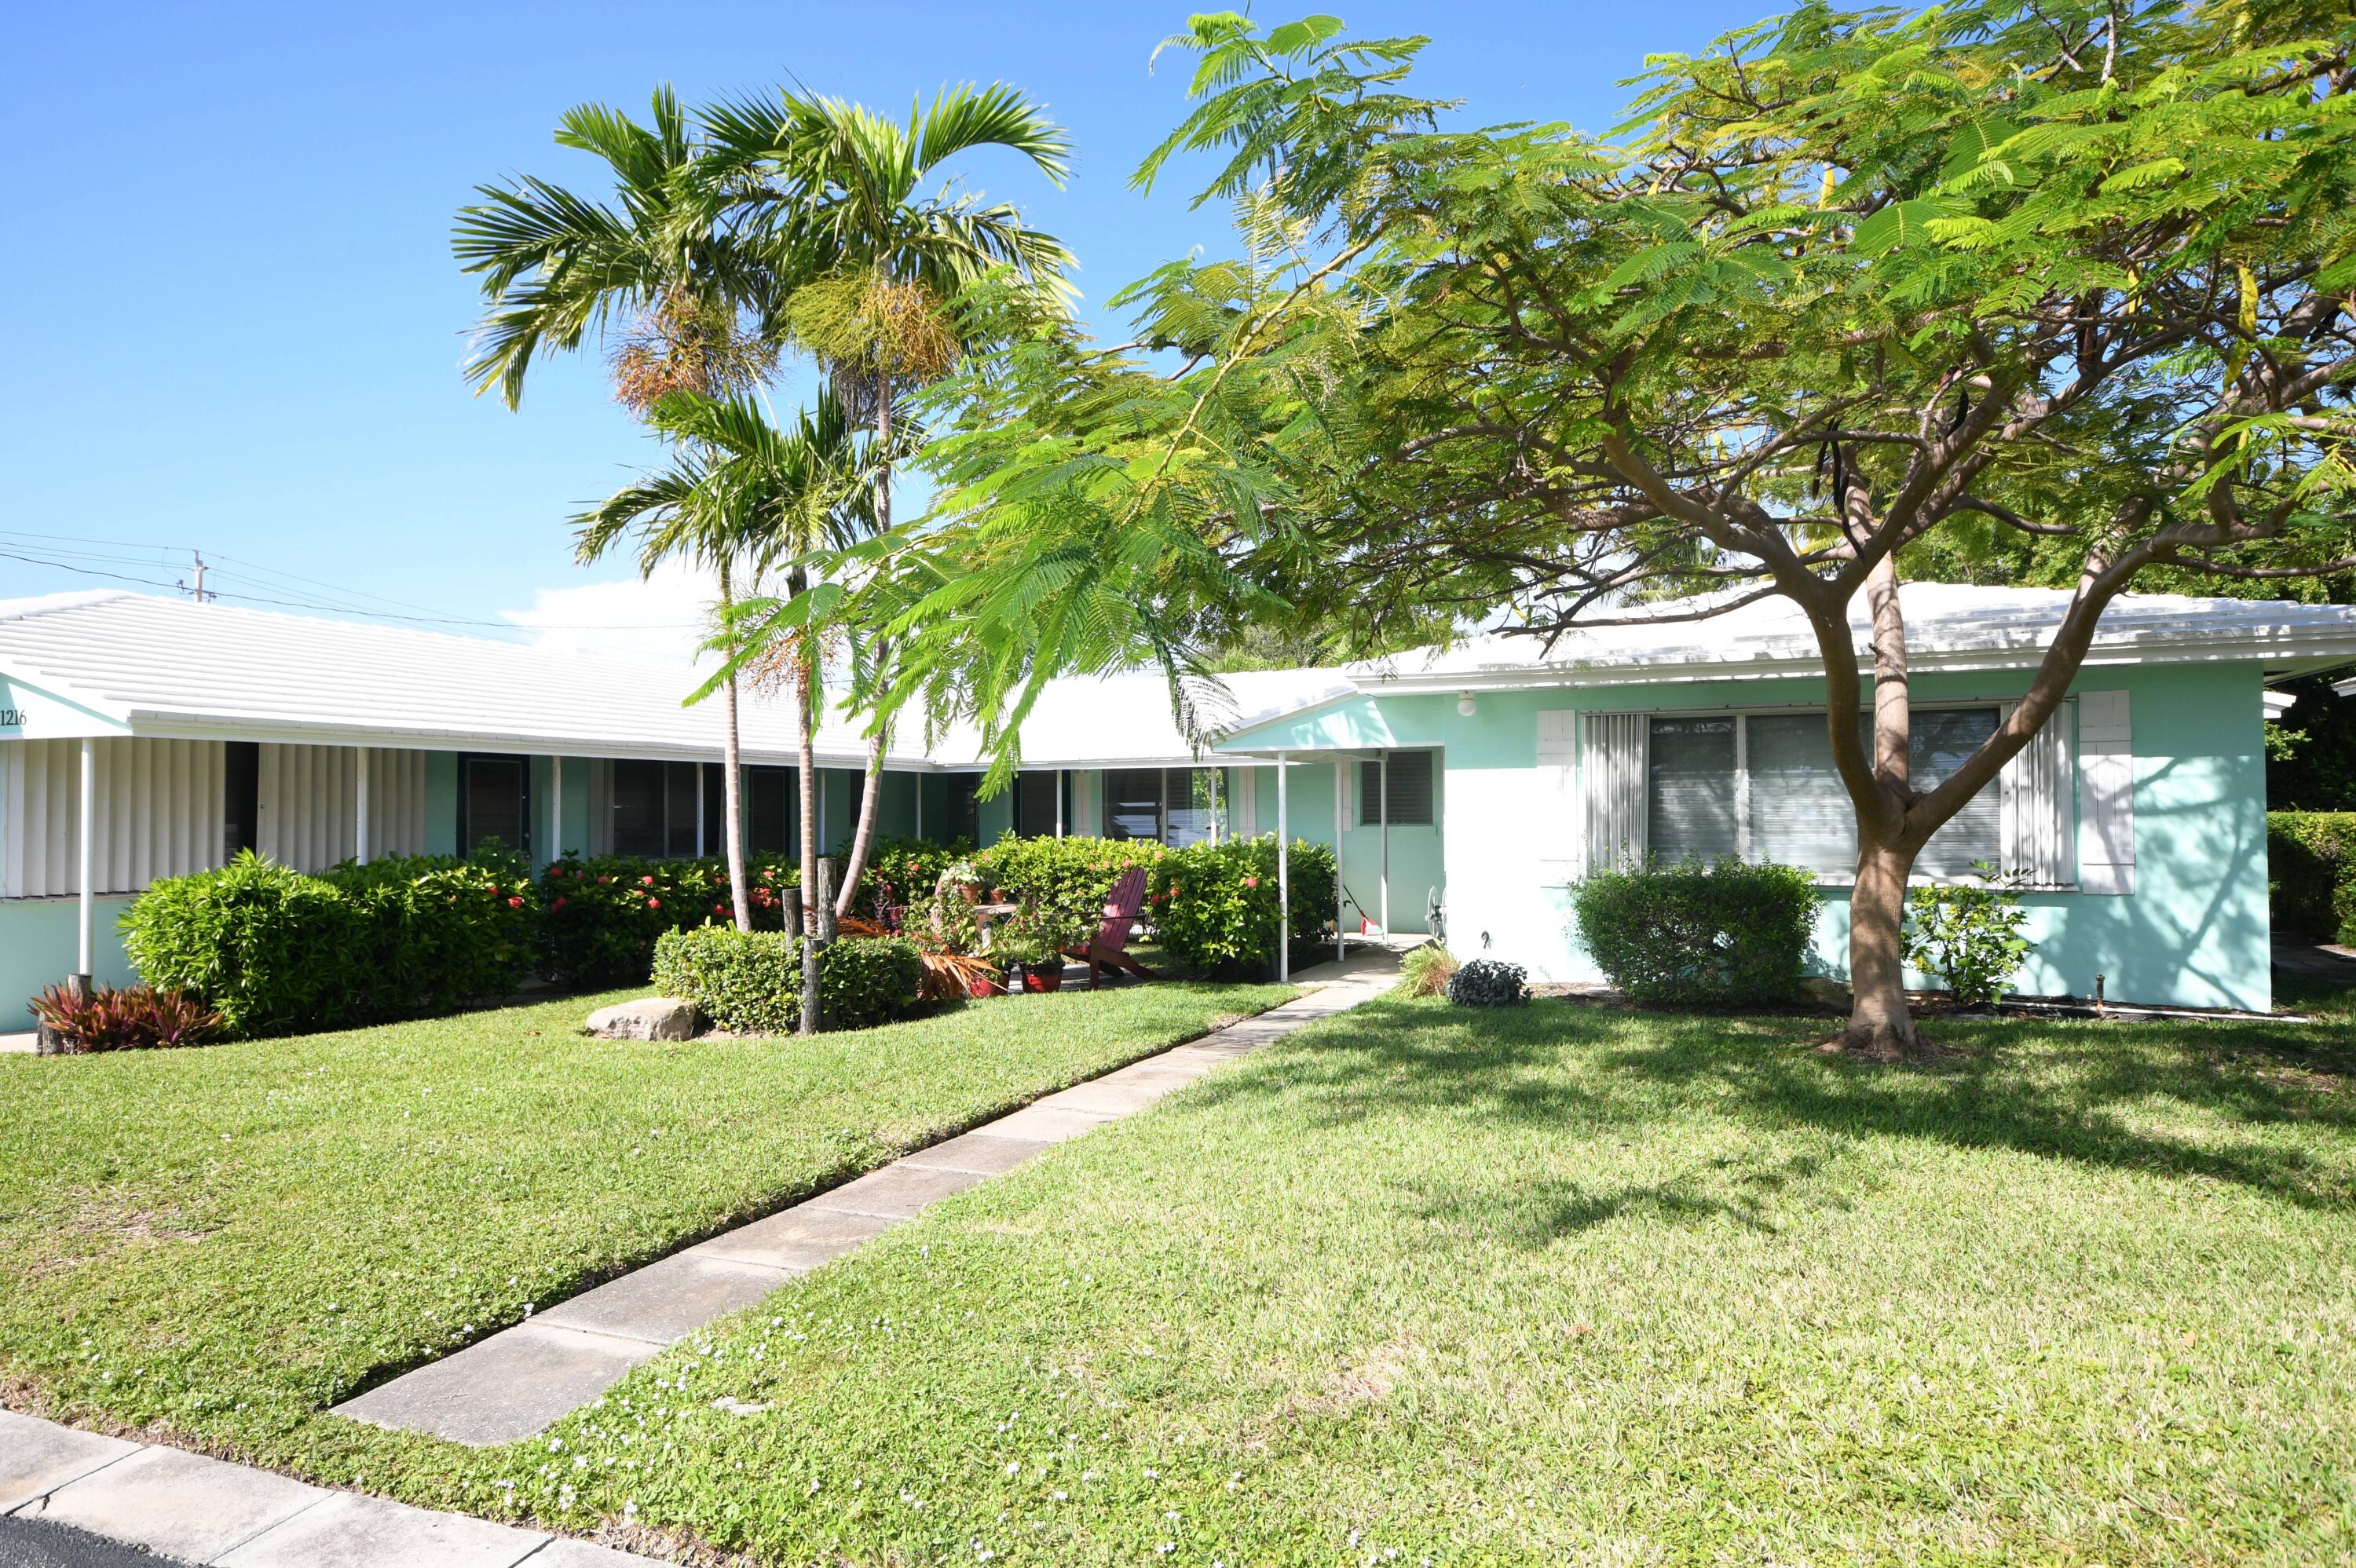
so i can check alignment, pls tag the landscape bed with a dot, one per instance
(219, 1245)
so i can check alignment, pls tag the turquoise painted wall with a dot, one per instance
(442, 802)
(2194, 933)
(39, 945)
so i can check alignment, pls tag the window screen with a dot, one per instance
(1800, 813)
(241, 795)
(637, 804)
(1034, 804)
(1943, 738)
(1689, 789)
(770, 797)
(1133, 805)
(965, 807)
(680, 787)
(495, 805)
(1410, 790)
(1197, 805)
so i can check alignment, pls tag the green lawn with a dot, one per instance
(1563, 1284)
(222, 1243)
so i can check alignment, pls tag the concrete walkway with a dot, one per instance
(519, 1381)
(188, 1509)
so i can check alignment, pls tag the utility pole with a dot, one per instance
(195, 586)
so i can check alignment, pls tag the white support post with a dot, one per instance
(1340, 820)
(89, 857)
(1383, 786)
(1283, 877)
(360, 805)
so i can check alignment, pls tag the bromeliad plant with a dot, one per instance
(132, 1017)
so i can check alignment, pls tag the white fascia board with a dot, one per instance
(166, 726)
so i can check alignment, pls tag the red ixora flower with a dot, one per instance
(646, 882)
(603, 879)
(559, 903)
(653, 903)
(1251, 881)
(515, 903)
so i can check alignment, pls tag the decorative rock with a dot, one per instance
(655, 1018)
(1824, 991)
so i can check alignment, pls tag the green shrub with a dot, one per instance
(602, 915)
(1066, 877)
(751, 982)
(2311, 873)
(1214, 907)
(273, 950)
(900, 875)
(1722, 935)
(1968, 933)
(1489, 983)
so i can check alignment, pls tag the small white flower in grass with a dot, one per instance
(1152, 1475)
(629, 1510)
(1165, 1549)
(1171, 1514)
(1014, 1467)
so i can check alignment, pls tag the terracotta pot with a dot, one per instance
(1043, 977)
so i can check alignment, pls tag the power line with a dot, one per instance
(52, 557)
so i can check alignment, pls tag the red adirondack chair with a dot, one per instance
(1109, 947)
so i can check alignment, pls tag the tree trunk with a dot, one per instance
(1879, 1026)
(871, 799)
(731, 780)
(806, 728)
(870, 804)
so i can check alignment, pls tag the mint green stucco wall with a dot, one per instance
(442, 802)
(40, 943)
(2193, 934)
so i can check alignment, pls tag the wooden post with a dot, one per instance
(820, 905)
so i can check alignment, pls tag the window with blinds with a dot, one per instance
(1409, 789)
(494, 801)
(1176, 806)
(655, 808)
(1762, 786)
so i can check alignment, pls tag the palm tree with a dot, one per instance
(684, 306)
(740, 489)
(833, 196)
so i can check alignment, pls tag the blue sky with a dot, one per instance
(237, 326)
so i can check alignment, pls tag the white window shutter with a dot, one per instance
(1557, 807)
(2037, 792)
(2105, 794)
(1613, 749)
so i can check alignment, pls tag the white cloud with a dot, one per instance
(659, 619)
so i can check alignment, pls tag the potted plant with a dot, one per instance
(1032, 941)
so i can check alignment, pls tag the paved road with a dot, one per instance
(36, 1543)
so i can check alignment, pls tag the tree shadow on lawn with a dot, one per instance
(2086, 1092)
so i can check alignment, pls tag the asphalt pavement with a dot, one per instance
(37, 1543)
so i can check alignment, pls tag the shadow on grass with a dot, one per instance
(2254, 1104)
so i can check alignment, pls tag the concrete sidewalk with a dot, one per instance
(519, 1381)
(192, 1509)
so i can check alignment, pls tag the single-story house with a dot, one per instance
(1470, 783)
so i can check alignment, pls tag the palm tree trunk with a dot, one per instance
(805, 725)
(732, 779)
(871, 798)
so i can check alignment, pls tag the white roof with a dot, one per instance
(173, 668)
(1948, 626)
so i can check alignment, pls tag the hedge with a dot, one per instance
(1215, 906)
(2311, 873)
(602, 915)
(1724, 934)
(275, 950)
(751, 982)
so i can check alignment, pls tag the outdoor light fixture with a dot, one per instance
(1464, 704)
